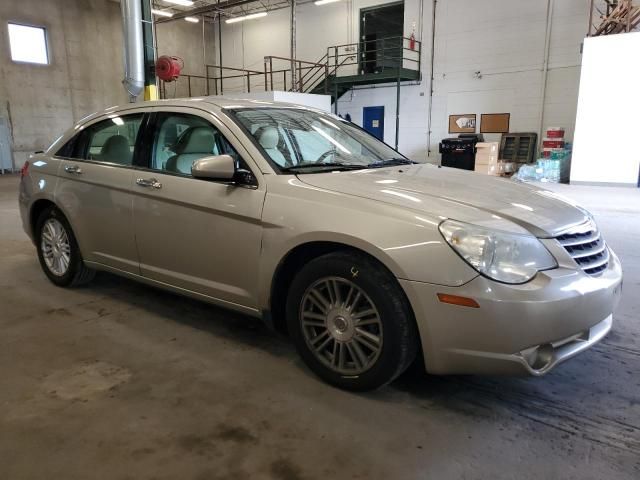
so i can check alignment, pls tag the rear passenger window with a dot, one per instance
(111, 141)
(181, 139)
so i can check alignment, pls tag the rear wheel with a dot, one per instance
(58, 251)
(350, 321)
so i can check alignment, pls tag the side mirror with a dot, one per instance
(216, 167)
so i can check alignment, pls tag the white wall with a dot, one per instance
(502, 39)
(39, 102)
(185, 40)
(607, 126)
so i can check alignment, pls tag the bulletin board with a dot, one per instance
(465, 123)
(494, 122)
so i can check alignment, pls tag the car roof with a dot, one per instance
(216, 101)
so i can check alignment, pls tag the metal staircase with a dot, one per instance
(384, 60)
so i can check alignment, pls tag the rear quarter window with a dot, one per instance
(66, 151)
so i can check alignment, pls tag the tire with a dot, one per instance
(62, 263)
(334, 327)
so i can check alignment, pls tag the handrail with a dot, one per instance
(320, 64)
(294, 59)
(300, 65)
(418, 42)
(387, 53)
(246, 70)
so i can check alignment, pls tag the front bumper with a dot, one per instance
(518, 329)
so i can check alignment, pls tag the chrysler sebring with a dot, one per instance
(365, 259)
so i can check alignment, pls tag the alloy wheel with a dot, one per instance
(341, 325)
(56, 248)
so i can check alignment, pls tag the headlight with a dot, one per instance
(502, 256)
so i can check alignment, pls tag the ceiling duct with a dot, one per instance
(133, 47)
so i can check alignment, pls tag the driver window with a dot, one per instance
(181, 139)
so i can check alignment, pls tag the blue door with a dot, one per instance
(373, 121)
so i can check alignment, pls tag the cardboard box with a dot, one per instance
(496, 169)
(488, 169)
(487, 148)
(484, 159)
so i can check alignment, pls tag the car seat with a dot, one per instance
(194, 144)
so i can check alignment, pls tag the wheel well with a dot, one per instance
(36, 209)
(288, 268)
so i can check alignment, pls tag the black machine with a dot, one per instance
(460, 152)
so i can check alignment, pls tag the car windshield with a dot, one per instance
(303, 141)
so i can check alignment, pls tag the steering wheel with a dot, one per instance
(325, 155)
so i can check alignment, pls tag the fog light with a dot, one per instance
(541, 356)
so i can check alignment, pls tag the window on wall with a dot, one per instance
(28, 44)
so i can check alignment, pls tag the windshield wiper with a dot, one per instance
(323, 166)
(390, 162)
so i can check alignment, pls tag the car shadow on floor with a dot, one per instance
(569, 392)
(244, 329)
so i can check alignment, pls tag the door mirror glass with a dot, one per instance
(215, 167)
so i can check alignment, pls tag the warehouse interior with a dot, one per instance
(123, 380)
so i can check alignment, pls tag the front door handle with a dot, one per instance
(148, 182)
(73, 169)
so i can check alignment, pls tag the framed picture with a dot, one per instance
(465, 123)
(494, 122)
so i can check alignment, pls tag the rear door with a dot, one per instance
(94, 189)
(196, 234)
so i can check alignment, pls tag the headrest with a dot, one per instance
(116, 145)
(268, 137)
(196, 140)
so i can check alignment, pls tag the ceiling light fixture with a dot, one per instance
(246, 17)
(162, 13)
(324, 2)
(184, 3)
(192, 19)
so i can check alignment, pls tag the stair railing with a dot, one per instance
(367, 56)
(303, 67)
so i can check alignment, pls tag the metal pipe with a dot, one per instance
(271, 71)
(220, 49)
(133, 48)
(433, 51)
(150, 55)
(204, 45)
(545, 68)
(293, 45)
(398, 109)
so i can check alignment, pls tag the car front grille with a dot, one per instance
(587, 247)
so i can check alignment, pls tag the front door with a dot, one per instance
(199, 235)
(373, 121)
(381, 31)
(94, 190)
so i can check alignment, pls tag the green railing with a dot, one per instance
(368, 57)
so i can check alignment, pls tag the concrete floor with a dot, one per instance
(122, 381)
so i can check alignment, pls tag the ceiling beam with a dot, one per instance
(222, 5)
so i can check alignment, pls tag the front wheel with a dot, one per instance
(350, 321)
(58, 250)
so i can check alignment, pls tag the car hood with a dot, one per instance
(458, 194)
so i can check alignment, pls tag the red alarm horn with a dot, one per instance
(168, 68)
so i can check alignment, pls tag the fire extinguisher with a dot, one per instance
(412, 38)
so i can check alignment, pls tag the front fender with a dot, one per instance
(407, 242)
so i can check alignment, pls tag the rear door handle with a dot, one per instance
(148, 182)
(73, 169)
